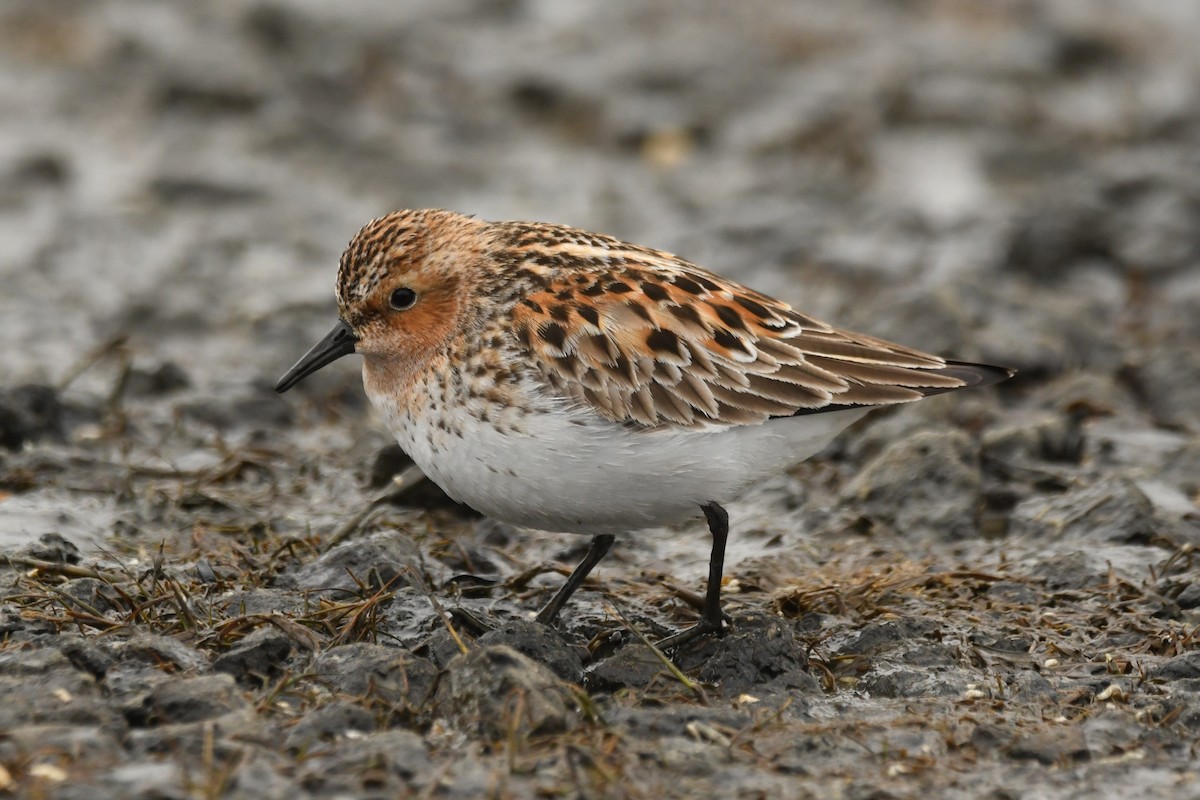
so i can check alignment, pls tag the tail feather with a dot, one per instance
(970, 374)
(976, 374)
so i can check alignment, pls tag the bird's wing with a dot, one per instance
(653, 340)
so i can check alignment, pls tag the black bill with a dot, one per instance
(337, 343)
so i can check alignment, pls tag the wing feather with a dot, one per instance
(645, 338)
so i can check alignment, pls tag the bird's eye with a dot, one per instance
(402, 299)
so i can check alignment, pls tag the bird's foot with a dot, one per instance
(704, 627)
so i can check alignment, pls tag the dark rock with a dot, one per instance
(1159, 231)
(761, 653)
(162, 380)
(264, 600)
(389, 462)
(1057, 437)
(185, 95)
(1184, 667)
(1030, 687)
(154, 650)
(193, 700)
(421, 492)
(63, 695)
(1013, 592)
(128, 686)
(86, 655)
(257, 657)
(1169, 380)
(876, 638)
(1108, 733)
(1064, 230)
(49, 170)
(1050, 747)
(928, 483)
(93, 595)
(890, 681)
(633, 665)
(987, 736)
(201, 192)
(261, 410)
(1112, 510)
(263, 780)
(327, 724)
(29, 413)
(375, 561)
(1189, 716)
(223, 736)
(440, 648)
(929, 654)
(382, 764)
(1069, 571)
(401, 680)
(27, 662)
(1189, 597)
(495, 691)
(54, 547)
(15, 626)
(542, 644)
(694, 758)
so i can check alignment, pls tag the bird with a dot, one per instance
(562, 380)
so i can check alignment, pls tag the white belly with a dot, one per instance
(571, 471)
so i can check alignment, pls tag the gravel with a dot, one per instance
(208, 590)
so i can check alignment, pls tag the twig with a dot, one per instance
(670, 665)
(441, 612)
(90, 358)
(57, 568)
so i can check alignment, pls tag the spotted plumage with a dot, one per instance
(566, 380)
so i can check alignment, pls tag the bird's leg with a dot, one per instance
(596, 551)
(712, 619)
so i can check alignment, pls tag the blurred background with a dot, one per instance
(1010, 180)
(996, 589)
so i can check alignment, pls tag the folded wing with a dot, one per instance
(645, 338)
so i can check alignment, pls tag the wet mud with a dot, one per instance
(209, 590)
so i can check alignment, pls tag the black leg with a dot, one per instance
(596, 551)
(718, 526)
(712, 619)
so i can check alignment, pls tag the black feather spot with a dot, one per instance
(685, 313)
(688, 285)
(590, 314)
(593, 290)
(560, 312)
(707, 284)
(531, 304)
(661, 341)
(547, 259)
(654, 292)
(757, 309)
(553, 334)
(639, 309)
(730, 317)
(616, 287)
(730, 342)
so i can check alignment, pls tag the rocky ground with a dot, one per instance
(210, 590)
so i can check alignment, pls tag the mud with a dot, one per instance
(209, 590)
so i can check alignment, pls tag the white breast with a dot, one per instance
(566, 469)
